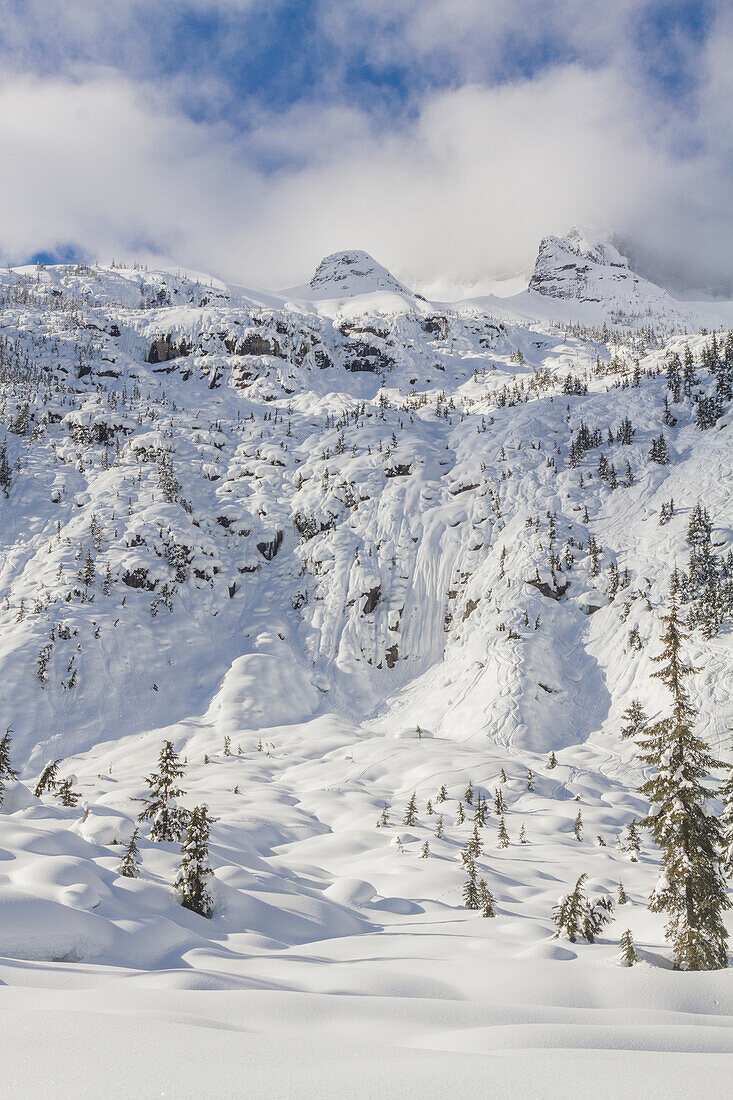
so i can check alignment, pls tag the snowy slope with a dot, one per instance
(316, 524)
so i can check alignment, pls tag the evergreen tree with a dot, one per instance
(429, 809)
(191, 881)
(552, 762)
(479, 815)
(530, 780)
(160, 807)
(691, 889)
(659, 452)
(475, 844)
(486, 900)
(439, 827)
(460, 816)
(65, 791)
(726, 822)
(522, 835)
(633, 841)
(384, 818)
(130, 862)
(470, 889)
(502, 837)
(578, 826)
(469, 794)
(410, 817)
(48, 778)
(634, 718)
(499, 803)
(569, 913)
(627, 951)
(575, 915)
(622, 896)
(6, 772)
(442, 794)
(425, 851)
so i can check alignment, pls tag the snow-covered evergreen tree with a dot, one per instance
(48, 778)
(410, 817)
(691, 888)
(486, 900)
(191, 881)
(160, 807)
(6, 772)
(627, 951)
(130, 862)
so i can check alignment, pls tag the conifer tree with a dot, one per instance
(633, 841)
(691, 888)
(634, 719)
(469, 794)
(726, 822)
(160, 807)
(429, 808)
(384, 818)
(627, 951)
(470, 889)
(475, 844)
(502, 837)
(191, 881)
(530, 780)
(499, 803)
(578, 826)
(486, 900)
(522, 835)
(622, 896)
(552, 762)
(65, 791)
(569, 913)
(425, 850)
(6, 772)
(442, 794)
(460, 817)
(439, 827)
(48, 778)
(575, 915)
(130, 862)
(410, 817)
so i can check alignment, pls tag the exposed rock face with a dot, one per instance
(355, 272)
(589, 271)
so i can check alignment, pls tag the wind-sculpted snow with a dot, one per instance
(338, 550)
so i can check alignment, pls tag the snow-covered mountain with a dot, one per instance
(339, 545)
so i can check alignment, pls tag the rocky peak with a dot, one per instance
(345, 273)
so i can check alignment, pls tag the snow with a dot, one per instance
(358, 547)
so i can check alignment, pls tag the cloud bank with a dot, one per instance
(452, 176)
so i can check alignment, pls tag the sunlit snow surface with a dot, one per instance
(336, 965)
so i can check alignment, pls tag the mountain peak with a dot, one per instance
(587, 268)
(343, 274)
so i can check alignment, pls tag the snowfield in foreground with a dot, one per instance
(342, 547)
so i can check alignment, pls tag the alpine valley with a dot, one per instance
(377, 583)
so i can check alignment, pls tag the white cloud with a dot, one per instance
(464, 188)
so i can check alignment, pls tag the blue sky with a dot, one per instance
(323, 123)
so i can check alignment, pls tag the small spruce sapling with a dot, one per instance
(410, 817)
(439, 827)
(622, 897)
(425, 850)
(486, 900)
(502, 837)
(578, 826)
(552, 762)
(48, 778)
(130, 862)
(627, 951)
